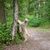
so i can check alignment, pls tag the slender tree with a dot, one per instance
(15, 15)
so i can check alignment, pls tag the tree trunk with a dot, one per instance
(15, 15)
(2, 12)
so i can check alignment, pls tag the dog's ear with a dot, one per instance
(26, 21)
(19, 22)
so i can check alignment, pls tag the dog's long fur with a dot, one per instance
(23, 29)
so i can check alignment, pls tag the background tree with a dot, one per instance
(2, 12)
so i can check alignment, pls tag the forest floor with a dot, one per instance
(39, 39)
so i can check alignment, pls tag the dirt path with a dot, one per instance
(39, 40)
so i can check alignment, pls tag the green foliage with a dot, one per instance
(26, 7)
(38, 22)
(23, 7)
(34, 22)
(5, 34)
(39, 9)
(6, 28)
(45, 23)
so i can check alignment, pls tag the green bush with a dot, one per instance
(34, 21)
(5, 34)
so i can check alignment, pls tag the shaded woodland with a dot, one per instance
(36, 11)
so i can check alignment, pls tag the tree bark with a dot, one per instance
(2, 12)
(15, 15)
